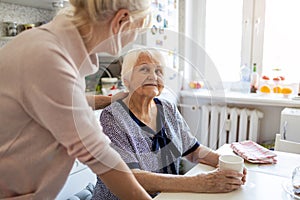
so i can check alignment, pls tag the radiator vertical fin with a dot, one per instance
(214, 127)
(205, 110)
(221, 124)
(222, 127)
(233, 117)
(243, 125)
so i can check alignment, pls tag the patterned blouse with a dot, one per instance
(142, 147)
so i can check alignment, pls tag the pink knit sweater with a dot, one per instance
(45, 120)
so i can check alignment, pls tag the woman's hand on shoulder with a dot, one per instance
(119, 95)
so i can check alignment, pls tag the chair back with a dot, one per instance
(286, 146)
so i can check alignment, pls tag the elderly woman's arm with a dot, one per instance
(212, 182)
(204, 155)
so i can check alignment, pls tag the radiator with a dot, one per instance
(219, 125)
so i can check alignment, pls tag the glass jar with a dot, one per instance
(28, 26)
(108, 84)
(11, 28)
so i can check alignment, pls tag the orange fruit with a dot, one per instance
(277, 89)
(286, 90)
(265, 89)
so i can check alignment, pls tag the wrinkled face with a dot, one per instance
(147, 78)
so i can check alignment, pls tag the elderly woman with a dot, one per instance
(151, 135)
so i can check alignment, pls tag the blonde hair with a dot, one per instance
(85, 13)
(132, 56)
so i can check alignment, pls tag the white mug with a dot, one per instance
(231, 162)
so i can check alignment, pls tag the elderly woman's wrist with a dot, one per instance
(198, 183)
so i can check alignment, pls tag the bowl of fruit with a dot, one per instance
(196, 84)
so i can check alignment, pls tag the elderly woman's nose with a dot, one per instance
(152, 75)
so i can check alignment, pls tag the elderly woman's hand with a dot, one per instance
(244, 175)
(219, 181)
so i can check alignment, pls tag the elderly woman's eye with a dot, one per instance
(144, 69)
(159, 71)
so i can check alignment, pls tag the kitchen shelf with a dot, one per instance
(40, 4)
(6, 38)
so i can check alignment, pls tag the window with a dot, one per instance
(281, 45)
(244, 32)
(223, 36)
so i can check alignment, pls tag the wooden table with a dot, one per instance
(263, 181)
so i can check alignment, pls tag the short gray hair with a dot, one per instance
(130, 59)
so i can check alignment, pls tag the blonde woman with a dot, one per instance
(45, 119)
(151, 135)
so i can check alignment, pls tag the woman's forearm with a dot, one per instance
(123, 184)
(158, 182)
(98, 101)
(101, 101)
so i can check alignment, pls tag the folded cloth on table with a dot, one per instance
(254, 152)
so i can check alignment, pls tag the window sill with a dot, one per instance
(242, 98)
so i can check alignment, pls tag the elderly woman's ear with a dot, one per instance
(121, 17)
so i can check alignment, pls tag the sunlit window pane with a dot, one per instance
(282, 38)
(224, 36)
